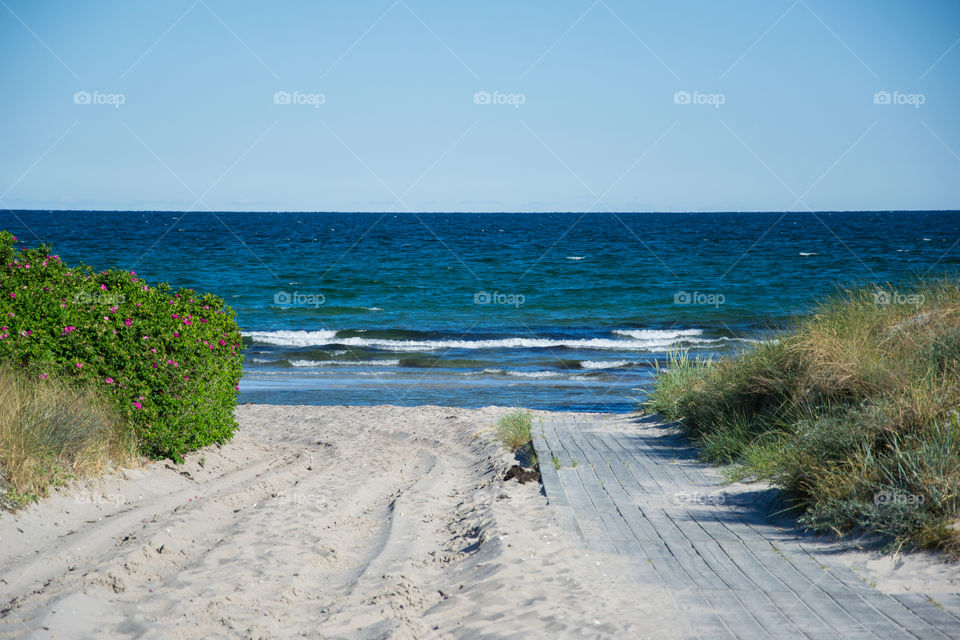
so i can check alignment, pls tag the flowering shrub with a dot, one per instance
(170, 360)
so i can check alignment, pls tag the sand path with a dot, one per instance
(318, 522)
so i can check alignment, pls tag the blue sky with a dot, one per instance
(626, 106)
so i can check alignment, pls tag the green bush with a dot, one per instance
(170, 360)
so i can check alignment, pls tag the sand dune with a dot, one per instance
(317, 522)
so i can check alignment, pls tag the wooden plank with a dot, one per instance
(931, 613)
(548, 472)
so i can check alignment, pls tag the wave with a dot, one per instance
(810, 253)
(321, 338)
(607, 364)
(523, 374)
(355, 363)
(643, 340)
(657, 334)
(535, 374)
(576, 257)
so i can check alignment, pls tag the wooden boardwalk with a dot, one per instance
(637, 491)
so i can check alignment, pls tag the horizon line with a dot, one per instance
(348, 211)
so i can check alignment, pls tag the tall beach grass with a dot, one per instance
(52, 431)
(853, 411)
(513, 429)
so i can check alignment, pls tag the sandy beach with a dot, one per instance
(318, 522)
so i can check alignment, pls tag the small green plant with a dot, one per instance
(513, 429)
(556, 462)
(168, 360)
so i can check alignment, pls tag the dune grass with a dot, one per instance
(51, 432)
(853, 411)
(513, 429)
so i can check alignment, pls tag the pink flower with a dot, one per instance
(13, 295)
(174, 316)
(186, 377)
(176, 335)
(109, 380)
(103, 287)
(128, 321)
(223, 342)
(137, 405)
(43, 376)
(79, 365)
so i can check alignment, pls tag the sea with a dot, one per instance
(559, 311)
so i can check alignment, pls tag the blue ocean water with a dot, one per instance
(555, 311)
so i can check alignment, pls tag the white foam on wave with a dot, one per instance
(631, 340)
(606, 364)
(518, 374)
(576, 257)
(291, 338)
(657, 334)
(810, 253)
(321, 338)
(535, 374)
(354, 363)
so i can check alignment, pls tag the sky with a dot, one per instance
(417, 105)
